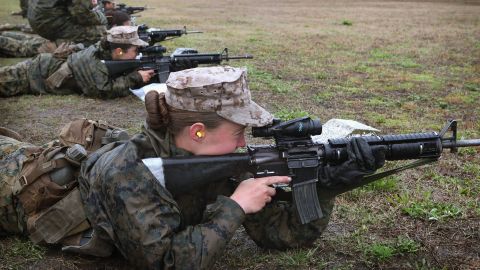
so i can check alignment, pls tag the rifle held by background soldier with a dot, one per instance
(154, 35)
(129, 9)
(179, 60)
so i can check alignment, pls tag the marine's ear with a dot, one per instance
(116, 53)
(197, 132)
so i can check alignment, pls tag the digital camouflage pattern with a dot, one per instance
(13, 154)
(17, 44)
(221, 89)
(127, 205)
(13, 79)
(68, 20)
(90, 76)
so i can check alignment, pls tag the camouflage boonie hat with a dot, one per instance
(223, 90)
(125, 35)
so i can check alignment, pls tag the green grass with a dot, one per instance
(407, 63)
(388, 184)
(426, 208)
(19, 252)
(382, 251)
(286, 114)
(268, 81)
(379, 54)
(347, 22)
(397, 68)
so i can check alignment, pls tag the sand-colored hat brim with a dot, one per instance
(251, 115)
(140, 43)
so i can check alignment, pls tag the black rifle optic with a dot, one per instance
(129, 9)
(181, 59)
(296, 155)
(153, 36)
(152, 51)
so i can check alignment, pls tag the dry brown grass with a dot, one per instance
(401, 66)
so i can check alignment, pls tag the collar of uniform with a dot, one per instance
(163, 143)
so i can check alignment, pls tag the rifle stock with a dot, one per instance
(301, 159)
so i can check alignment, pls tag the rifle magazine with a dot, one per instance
(306, 200)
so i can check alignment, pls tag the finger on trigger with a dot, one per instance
(271, 191)
(277, 179)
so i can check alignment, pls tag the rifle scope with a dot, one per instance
(153, 50)
(300, 127)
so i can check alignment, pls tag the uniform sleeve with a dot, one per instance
(94, 81)
(120, 86)
(84, 14)
(277, 226)
(145, 223)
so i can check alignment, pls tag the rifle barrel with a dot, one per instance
(461, 143)
(246, 56)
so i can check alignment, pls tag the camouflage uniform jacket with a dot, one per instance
(89, 73)
(71, 20)
(152, 229)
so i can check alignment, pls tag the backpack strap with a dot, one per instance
(29, 176)
(61, 220)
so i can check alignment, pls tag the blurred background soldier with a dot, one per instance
(22, 43)
(83, 72)
(63, 20)
(117, 18)
(19, 44)
(107, 5)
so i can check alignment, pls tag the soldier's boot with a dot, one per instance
(9, 46)
(14, 79)
(22, 44)
(10, 133)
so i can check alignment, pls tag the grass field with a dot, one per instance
(400, 66)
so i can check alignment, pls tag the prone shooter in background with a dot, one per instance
(79, 72)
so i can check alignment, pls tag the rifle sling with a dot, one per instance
(374, 177)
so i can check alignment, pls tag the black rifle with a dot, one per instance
(153, 36)
(129, 9)
(181, 59)
(296, 155)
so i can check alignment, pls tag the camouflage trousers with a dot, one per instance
(17, 44)
(70, 32)
(14, 79)
(12, 155)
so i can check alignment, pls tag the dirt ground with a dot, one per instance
(400, 66)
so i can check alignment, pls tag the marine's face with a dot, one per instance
(224, 139)
(109, 5)
(129, 54)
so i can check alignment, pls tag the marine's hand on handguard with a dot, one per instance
(363, 159)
